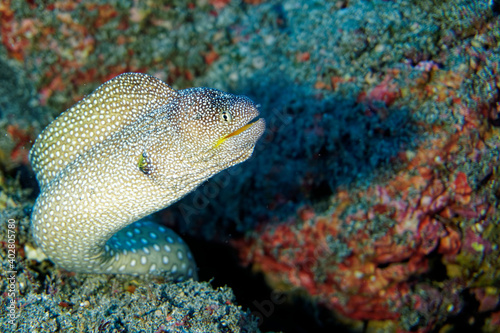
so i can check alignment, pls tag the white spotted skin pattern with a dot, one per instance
(110, 108)
(137, 147)
(134, 246)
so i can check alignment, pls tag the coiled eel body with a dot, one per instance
(132, 147)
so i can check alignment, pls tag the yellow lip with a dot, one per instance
(238, 131)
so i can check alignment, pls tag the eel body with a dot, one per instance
(132, 147)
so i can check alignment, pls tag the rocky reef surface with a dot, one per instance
(372, 198)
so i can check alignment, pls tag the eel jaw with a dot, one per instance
(241, 130)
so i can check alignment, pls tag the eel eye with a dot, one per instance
(226, 117)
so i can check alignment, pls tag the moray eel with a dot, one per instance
(132, 147)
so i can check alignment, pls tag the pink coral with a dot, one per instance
(374, 279)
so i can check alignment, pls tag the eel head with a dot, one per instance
(218, 126)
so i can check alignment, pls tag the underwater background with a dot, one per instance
(370, 204)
